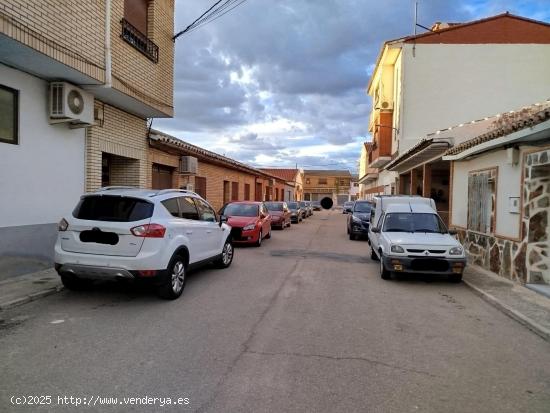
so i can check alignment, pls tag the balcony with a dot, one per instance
(139, 41)
(380, 153)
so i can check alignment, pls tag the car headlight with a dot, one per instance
(249, 227)
(398, 249)
(455, 251)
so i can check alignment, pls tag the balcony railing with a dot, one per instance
(139, 41)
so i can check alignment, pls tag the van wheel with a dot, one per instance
(74, 283)
(373, 255)
(227, 255)
(384, 274)
(455, 278)
(175, 279)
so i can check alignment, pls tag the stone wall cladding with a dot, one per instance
(121, 134)
(528, 260)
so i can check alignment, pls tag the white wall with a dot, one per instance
(445, 85)
(508, 185)
(42, 177)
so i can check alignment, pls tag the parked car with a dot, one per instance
(296, 212)
(309, 208)
(250, 221)
(411, 237)
(359, 219)
(316, 205)
(140, 234)
(347, 207)
(280, 214)
(305, 212)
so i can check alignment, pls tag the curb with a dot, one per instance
(510, 312)
(28, 298)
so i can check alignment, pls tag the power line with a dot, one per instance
(214, 12)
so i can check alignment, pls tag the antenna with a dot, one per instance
(415, 16)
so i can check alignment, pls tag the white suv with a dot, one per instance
(142, 234)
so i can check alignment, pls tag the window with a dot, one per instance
(413, 222)
(135, 12)
(234, 191)
(308, 181)
(322, 181)
(172, 206)
(105, 169)
(113, 208)
(247, 192)
(206, 213)
(9, 115)
(482, 201)
(200, 186)
(226, 191)
(134, 28)
(188, 208)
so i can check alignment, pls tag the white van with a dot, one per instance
(407, 235)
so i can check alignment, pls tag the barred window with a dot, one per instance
(482, 200)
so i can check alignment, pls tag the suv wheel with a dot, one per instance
(175, 280)
(227, 255)
(384, 274)
(268, 234)
(74, 283)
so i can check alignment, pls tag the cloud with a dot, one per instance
(278, 81)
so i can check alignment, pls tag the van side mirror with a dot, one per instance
(376, 230)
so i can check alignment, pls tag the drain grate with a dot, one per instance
(321, 254)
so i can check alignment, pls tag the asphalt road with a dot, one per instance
(303, 323)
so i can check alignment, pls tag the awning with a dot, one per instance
(424, 151)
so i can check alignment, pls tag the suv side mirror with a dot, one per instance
(223, 220)
(376, 230)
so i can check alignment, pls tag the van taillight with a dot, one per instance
(149, 231)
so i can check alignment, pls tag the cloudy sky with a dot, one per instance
(282, 82)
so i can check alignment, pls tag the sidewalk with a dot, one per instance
(520, 303)
(19, 290)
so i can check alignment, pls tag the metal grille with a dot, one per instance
(139, 41)
(480, 194)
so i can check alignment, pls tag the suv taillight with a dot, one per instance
(149, 231)
(63, 225)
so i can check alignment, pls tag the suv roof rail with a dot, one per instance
(167, 191)
(115, 187)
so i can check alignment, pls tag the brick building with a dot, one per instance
(334, 184)
(78, 81)
(294, 182)
(217, 178)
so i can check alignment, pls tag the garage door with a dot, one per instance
(162, 176)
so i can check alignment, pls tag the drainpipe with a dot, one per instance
(108, 78)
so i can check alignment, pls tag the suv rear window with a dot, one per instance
(113, 208)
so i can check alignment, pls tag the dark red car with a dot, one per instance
(280, 214)
(250, 221)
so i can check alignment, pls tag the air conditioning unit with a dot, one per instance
(188, 165)
(386, 105)
(71, 104)
(190, 187)
(272, 182)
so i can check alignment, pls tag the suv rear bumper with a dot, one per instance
(425, 265)
(93, 272)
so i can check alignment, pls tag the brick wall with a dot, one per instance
(72, 32)
(121, 134)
